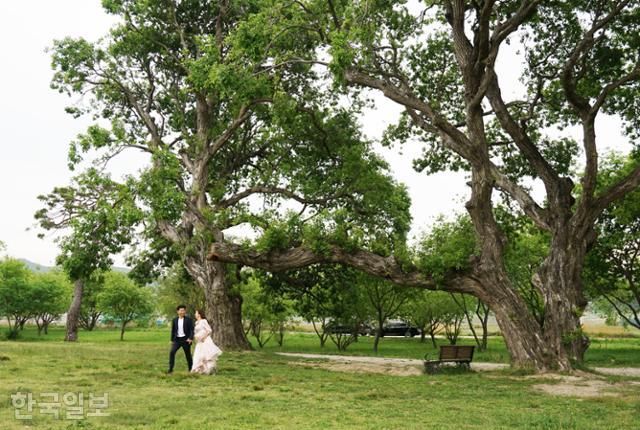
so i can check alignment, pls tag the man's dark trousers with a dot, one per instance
(180, 342)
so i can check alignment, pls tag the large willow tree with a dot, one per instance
(235, 133)
(577, 61)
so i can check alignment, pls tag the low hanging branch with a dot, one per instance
(368, 262)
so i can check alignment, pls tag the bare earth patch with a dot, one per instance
(579, 386)
(395, 370)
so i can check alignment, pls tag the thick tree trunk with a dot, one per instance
(542, 349)
(524, 339)
(223, 308)
(559, 279)
(74, 312)
(559, 343)
(529, 344)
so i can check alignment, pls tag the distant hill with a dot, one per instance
(36, 267)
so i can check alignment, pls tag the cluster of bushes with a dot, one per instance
(26, 295)
(44, 297)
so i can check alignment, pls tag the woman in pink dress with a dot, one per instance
(205, 356)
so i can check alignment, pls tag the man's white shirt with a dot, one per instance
(181, 327)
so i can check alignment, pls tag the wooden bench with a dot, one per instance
(460, 355)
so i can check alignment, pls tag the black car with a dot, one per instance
(361, 330)
(400, 329)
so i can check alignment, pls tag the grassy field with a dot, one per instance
(261, 390)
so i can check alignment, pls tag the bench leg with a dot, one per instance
(431, 368)
(465, 365)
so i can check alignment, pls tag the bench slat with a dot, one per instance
(456, 352)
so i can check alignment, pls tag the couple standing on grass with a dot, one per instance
(183, 331)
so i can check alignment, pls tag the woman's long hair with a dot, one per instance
(202, 315)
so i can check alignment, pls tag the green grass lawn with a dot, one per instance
(261, 390)
(609, 352)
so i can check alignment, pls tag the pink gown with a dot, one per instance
(205, 356)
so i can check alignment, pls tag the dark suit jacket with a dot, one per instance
(188, 328)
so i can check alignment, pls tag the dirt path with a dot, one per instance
(405, 366)
(620, 371)
(407, 363)
(580, 384)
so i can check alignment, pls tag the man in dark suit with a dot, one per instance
(181, 336)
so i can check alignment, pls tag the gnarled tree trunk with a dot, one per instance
(530, 345)
(559, 279)
(559, 343)
(73, 313)
(224, 308)
(523, 335)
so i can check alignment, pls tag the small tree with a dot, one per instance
(385, 301)
(310, 306)
(51, 294)
(332, 297)
(472, 307)
(452, 320)
(265, 312)
(348, 310)
(282, 312)
(16, 294)
(255, 311)
(316, 293)
(123, 300)
(426, 310)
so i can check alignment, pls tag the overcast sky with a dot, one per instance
(35, 130)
